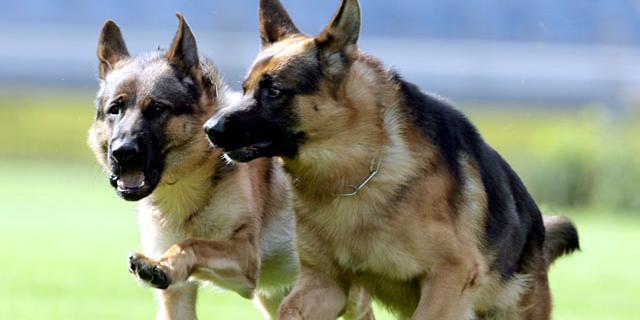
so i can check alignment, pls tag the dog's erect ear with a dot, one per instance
(275, 23)
(111, 47)
(344, 29)
(183, 53)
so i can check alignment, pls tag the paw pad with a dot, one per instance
(149, 272)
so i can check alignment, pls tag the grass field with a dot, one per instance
(65, 235)
(65, 238)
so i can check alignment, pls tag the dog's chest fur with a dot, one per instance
(361, 233)
(362, 245)
(191, 208)
(374, 232)
(366, 249)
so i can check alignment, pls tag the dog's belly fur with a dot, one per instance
(496, 297)
(497, 300)
(401, 296)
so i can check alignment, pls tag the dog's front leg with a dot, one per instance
(231, 264)
(178, 302)
(315, 296)
(448, 293)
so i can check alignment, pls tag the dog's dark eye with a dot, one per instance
(268, 89)
(273, 93)
(116, 106)
(156, 109)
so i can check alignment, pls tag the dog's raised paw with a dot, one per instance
(148, 271)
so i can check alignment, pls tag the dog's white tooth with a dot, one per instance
(131, 180)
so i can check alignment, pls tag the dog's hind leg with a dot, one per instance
(178, 302)
(448, 293)
(535, 304)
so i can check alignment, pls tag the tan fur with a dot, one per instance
(193, 226)
(388, 251)
(276, 56)
(379, 206)
(207, 220)
(411, 237)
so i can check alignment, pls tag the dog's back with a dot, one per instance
(514, 228)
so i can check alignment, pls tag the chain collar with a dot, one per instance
(353, 190)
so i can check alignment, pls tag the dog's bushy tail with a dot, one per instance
(561, 237)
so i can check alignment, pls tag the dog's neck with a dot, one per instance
(358, 157)
(337, 171)
(179, 196)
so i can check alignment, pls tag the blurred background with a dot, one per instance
(553, 85)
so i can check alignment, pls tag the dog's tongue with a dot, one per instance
(131, 180)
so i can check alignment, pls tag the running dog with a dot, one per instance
(394, 189)
(201, 217)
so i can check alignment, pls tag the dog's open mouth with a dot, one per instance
(250, 152)
(132, 181)
(134, 185)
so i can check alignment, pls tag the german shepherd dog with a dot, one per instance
(201, 217)
(394, 189)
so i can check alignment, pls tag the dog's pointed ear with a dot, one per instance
(183, 53)
(111, 47)
(344, 29)
(275, 23)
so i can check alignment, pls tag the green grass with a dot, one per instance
(56, 127)
(65, 235)
(602, 281)
(65, 238)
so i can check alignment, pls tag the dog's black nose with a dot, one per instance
(215, 128)
(124, 151)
